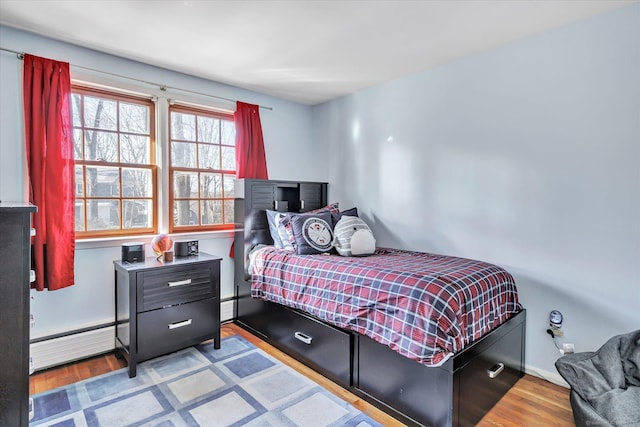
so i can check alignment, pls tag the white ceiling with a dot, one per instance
(304, 51)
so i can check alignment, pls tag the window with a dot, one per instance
(116, 185)
(114, 138)
(202, 169)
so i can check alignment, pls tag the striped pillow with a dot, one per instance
(352, 236)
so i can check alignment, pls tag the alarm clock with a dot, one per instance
(186, 248)
(133, 252)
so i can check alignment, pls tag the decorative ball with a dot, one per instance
(161, 244)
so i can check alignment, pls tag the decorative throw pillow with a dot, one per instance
(353, 237)
(312, 233)
(286, 238)
(284, 225)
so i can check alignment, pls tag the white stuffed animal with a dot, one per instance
(353, 237)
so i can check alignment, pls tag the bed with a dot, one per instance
(432, 340)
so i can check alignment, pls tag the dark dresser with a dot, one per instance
(163, 307)
(15, 264)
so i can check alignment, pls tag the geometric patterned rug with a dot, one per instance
(237, 385)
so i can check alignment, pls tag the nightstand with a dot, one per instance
(162, 307)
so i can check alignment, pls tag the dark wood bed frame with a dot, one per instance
(458, 393)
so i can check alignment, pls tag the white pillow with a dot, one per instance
(352, 237)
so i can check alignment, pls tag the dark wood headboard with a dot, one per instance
(253, 198)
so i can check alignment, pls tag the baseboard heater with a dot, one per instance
(71, 346)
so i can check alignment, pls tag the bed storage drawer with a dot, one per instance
(459, 392)
(168, 329)
(325, 348)
(488, 375)
(416, 391)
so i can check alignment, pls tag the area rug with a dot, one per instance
(237, 385)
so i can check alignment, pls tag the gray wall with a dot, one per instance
(287, 133)
(526, 156)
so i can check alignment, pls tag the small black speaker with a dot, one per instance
(186, 248)
(133, 252)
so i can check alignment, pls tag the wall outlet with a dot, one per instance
(555, 332)
(568, 348)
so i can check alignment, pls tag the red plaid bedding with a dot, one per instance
(424, 306)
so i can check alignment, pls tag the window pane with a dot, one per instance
(209, 156)
(114, 130)
(136, 183)
(134, 149)
(134, 118)
(208, 200)
(228, 211)
(183, 126)
(211, 212)
(208, 129)
(229, 185)
(183, 154)
(103, 182)
(210, 185)
(103, 214)
(228, 158)
(100, 146)
(136, 214)
(185, 212)
(99, 113)
(76, 107)
(80, 215)
(79, 182)
(77, 144)
(228, 133)
(185, 185)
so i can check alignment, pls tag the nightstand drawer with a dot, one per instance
(168, 329)
(177, 285)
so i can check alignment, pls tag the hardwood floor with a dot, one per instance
(531, 402)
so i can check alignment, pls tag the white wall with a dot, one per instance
(287, 133)
(526, 156)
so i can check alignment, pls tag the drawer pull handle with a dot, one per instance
(302, 205)
(180, 283)
(180, 324)
(302, 337)
(495, 370)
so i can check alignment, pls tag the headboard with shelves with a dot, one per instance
(252, 198)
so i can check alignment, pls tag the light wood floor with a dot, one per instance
(531, 402)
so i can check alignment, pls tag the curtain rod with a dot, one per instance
(162, 87)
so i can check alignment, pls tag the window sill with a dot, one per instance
(106, 242)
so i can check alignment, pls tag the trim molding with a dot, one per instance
(552, 377)
(70, 346)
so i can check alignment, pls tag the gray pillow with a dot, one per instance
(273, 228)
(335, 216)
(312, 233)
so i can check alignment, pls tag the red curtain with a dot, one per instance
(250, 159)
(50, 165)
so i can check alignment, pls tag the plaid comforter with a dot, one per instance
(424, 306)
